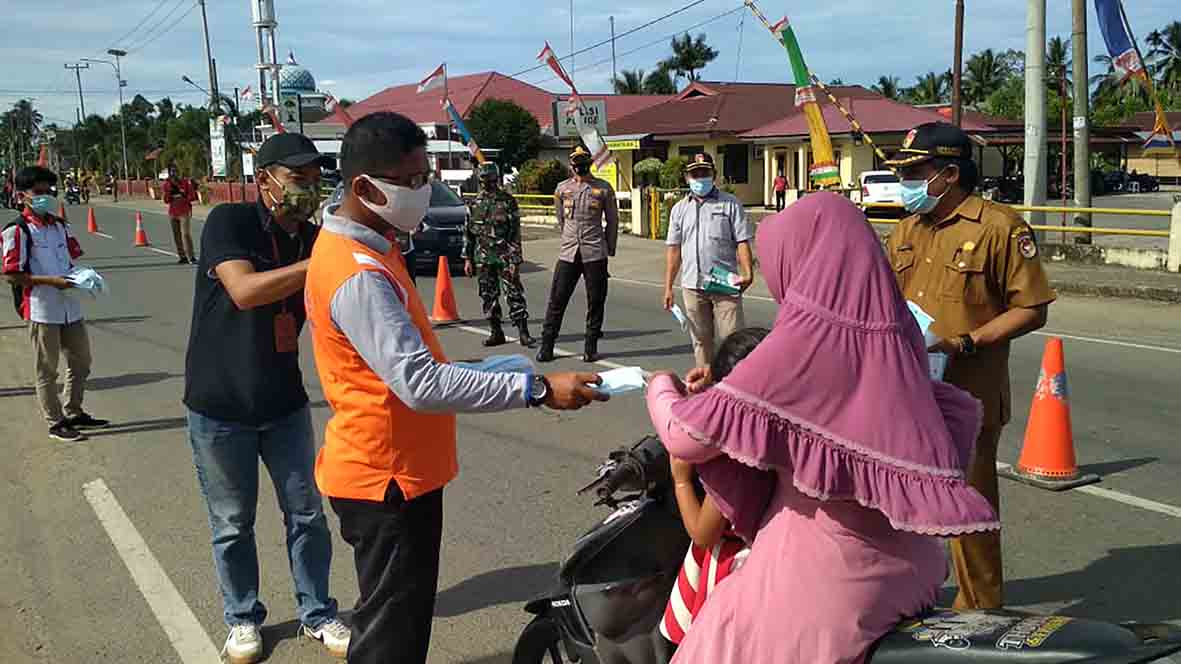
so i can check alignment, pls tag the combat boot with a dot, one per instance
(526, 339)
(497, 337)
(590, 352)
(546, 352)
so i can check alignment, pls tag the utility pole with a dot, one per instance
(1062, 158)
(1035, 110)
(613, 74)
(1082, 126)
(214, 102)
(957, 81)
(78, 75)
(571, 40)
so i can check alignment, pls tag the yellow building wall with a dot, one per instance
(1160, 167)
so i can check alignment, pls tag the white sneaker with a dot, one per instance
(333, 634)
(243, 645)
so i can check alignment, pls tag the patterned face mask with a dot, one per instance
(300, 201)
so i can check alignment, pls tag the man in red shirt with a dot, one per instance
(780, 192)
(180, 193)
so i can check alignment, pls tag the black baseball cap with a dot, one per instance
(291, 150)
(701, 161)
(931, 140)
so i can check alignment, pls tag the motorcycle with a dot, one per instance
(613, 588)
(73, 195)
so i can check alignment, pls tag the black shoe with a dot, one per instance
(590, 352)
(546, 353)
(193, 260)
(497, 336)
(64, 432)
(182, 261)
(86, 421)
(525, 338)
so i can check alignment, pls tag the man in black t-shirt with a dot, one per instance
(245, 396)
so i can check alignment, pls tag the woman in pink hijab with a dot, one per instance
(831, 450)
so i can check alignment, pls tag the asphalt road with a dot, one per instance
(68, 596)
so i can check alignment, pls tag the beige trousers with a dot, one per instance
(711, 317)
(183, 237)
(50, 342)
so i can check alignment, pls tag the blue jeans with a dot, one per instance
(226, 456)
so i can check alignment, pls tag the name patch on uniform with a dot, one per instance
(1027, 246)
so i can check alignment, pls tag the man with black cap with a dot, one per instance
(582, 203)
(972, 265)
(245, 396)
(492, 252)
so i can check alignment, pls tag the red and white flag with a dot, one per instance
(434, 80)
(548, 57)
(247, 94)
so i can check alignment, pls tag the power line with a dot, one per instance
(125, 35)
(161, 27)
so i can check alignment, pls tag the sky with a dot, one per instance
(356, 48)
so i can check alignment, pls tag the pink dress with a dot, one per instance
(823, 582)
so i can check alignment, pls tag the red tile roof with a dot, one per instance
(720, 108)
(977, 117)
(1145, 121)
(470, 90)
(876, 114)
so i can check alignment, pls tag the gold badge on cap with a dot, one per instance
(906, 143)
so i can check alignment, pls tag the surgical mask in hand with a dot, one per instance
(404, 207)
(88, 280)
(500, 364)
(620, 381)
(916, 197)
(42, 205)
(701, 186)
(682, 319)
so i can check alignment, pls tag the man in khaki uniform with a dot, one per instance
(973, 265)
(583, 203)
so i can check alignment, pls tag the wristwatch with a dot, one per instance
(967, 345)
(538, 391)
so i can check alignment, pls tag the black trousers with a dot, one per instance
(565, 280)
(396, 551)
(780, 200)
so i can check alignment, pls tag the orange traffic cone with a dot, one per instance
(445, 310)
(1047, 457)
(141, 236)
(91, 223)
(61, 211)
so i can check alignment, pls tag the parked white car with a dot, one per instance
(881, 189)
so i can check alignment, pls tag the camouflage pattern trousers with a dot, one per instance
(491, 279)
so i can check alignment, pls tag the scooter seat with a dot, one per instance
(1001, 637)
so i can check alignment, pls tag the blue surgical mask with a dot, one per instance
(915, 195)
(42, 205)
(701, 186)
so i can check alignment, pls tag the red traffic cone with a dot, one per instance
(445, 310)
(1047, 457)
(61, 210)
(141, 236)
(91, 223)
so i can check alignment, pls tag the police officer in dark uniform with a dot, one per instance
(492, 251)
(583, 203)
(973, 265)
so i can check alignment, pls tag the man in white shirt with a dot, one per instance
(38, 252)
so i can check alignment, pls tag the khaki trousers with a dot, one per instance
(709, 313)
(977, 557)
(51, 341)
(183, 237)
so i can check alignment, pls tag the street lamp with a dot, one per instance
(118, 53)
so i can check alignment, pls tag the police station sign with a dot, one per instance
(594, 114)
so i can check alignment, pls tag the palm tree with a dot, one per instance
(1164, 55)
(984, 74)
(1058, 61)
(889, 87)
(660, 82)
(931, 88)
(631, 83)
(690, 56)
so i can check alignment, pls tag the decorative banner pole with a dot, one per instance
(824, 172)
(853, 123)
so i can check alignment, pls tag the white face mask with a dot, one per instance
(404, 207)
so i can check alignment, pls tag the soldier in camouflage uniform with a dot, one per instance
(492, 249)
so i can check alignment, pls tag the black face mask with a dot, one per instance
(582, 169)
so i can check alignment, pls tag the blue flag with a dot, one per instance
(1117, 34)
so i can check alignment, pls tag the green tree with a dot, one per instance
(505, 125)
(1058, 61)
(931, 88)
(660, 82)
(345, 103)
(690, 55)
(1007, 101)
(538, 176)
(889, 87)
(1164, 55)
(672, 173)
(630, 83)
(984, 74)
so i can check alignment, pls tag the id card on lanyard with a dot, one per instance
(286, 330)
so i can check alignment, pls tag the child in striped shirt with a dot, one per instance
(716, 551)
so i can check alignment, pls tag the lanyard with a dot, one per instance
(279, 260)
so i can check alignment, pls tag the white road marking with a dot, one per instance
(1043, 333)
(558, 352)
(183, 630)
(1119, 497)
(101, 234)
(161, 251)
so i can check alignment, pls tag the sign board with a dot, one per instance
(594, 113)
(247, 163)
(623, 146)
(1080, 122)
(609, 172)
(290, 113)
(217, 146)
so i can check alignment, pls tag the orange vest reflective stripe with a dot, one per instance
(372, 437)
